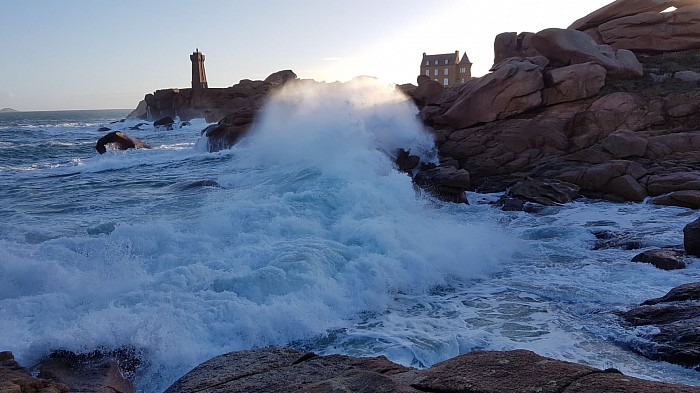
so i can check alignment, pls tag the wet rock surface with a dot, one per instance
(287, 370)
(119, 140)
(663, 258)
(677, 318)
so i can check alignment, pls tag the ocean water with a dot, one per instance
(311, 239)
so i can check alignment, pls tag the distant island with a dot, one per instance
(3, 110)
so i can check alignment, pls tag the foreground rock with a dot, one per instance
(63, 371)
(119, 140)
(94, 372)
(287, 370)
(677, 317)
(16, 379)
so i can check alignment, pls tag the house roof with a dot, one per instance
(452, 59)
(465, 59)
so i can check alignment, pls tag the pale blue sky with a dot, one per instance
(90, 54)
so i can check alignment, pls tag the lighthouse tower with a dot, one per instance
(199, 77)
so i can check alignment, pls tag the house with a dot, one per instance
(447, 68)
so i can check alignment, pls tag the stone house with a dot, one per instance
(447, 68)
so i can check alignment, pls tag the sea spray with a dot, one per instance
(312, 231)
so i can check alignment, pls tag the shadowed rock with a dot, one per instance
(119, 140)
(623, 8)
(676, 317)
(691, 238)
(165, 122)
(662, 258)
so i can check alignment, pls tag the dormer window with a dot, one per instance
(446, 61)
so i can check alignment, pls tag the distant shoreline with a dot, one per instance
(10, 110)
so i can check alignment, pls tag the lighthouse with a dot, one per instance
(199, 77)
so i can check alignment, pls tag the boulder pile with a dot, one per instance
(615, 115)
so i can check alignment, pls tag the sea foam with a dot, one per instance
(312, 229)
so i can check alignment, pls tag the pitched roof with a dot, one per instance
(452, 58)
(465, 59)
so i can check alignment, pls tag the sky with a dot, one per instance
(105, 54)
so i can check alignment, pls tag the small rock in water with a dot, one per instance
(662, 258)
(691, 238)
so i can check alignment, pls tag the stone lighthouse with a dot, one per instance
(199, 77)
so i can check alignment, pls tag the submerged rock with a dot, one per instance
(620, 240)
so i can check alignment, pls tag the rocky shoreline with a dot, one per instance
(609, 108)
(290, 370)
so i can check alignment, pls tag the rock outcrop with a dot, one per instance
(119, 140)
(676, 316)
(641, 26)
(559, 106)
(213, 104)
(287, 370)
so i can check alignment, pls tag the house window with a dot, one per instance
(427, 72)
(445, 82)
(435, 62)
(446, 71)
(463, 70)
(436, 72)
(445, 61)
(427, 62)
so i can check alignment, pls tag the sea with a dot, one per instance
(302, 235)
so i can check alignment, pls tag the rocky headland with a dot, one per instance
(608, 108)
(8, 110)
